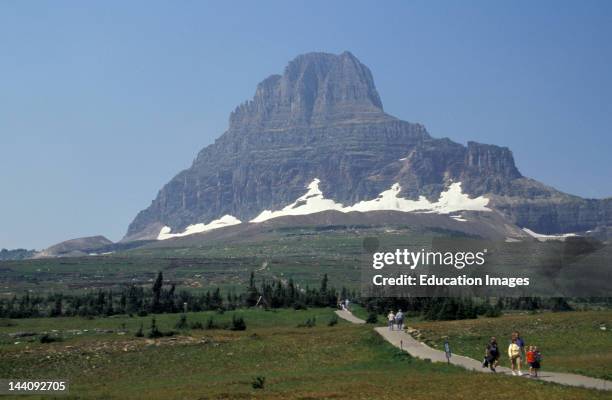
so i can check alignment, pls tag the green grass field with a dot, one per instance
(570, 341)
(303, 254)
(340, 361)
(104, 360)
(201, 268)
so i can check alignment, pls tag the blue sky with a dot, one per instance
(101, 103)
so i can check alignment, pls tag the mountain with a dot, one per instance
(75, 247)
(322, 121)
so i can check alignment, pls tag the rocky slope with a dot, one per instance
(323, 119)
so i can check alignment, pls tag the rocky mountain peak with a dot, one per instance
(315, 89)
(323, 118)
(486, 158)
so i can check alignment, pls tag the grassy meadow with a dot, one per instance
(304, 254)
(341, 361)
(579, 342)
(103, 359)
(305, 257)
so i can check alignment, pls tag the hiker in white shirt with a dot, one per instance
(391, 319)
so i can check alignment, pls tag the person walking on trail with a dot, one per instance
(399, 319)
(391, 319)
(533, 359)
(514, 353)
(521, 344)
(491, 355)
(346, 304)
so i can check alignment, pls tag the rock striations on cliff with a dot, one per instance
(323, 119)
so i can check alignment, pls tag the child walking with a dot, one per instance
(533, 359)
(514, 353)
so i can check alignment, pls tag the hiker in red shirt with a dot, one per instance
(533, 359)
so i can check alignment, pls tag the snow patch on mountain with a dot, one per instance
(450, 201)
(543, 238)
(226, 220)
(453, 200)
(312, 202)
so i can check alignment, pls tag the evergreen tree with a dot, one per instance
(216, 300)
(252, 292)
(157, 291)
(57, 308)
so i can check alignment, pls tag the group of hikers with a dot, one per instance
(517, 351)
(395, 319)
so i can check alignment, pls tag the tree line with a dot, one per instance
(161, 298)
(164, 298)
(455, 308)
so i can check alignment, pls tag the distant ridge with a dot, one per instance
(74, 247)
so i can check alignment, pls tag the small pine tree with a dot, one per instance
(210, 323)
(493, 311)
(57, 308)
(182, 322)
(252, 293)
(238, 324)
(139, 332)
(560, 304)
(154, 331)
(372, 318)
(157, 289)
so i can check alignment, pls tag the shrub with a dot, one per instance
(401, 355)
(259, 382)
(238, 324)
(333, 320)
(559, 304)
(210, 324)
(139, 332)
(372, 318)
(310, 323)
(197, 325)
(182, 322)
(493, 312)
(46, 338)
(154, 332)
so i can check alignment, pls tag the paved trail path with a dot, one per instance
(417, 349)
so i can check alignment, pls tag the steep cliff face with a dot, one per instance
(316, 89)
(323, 118)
